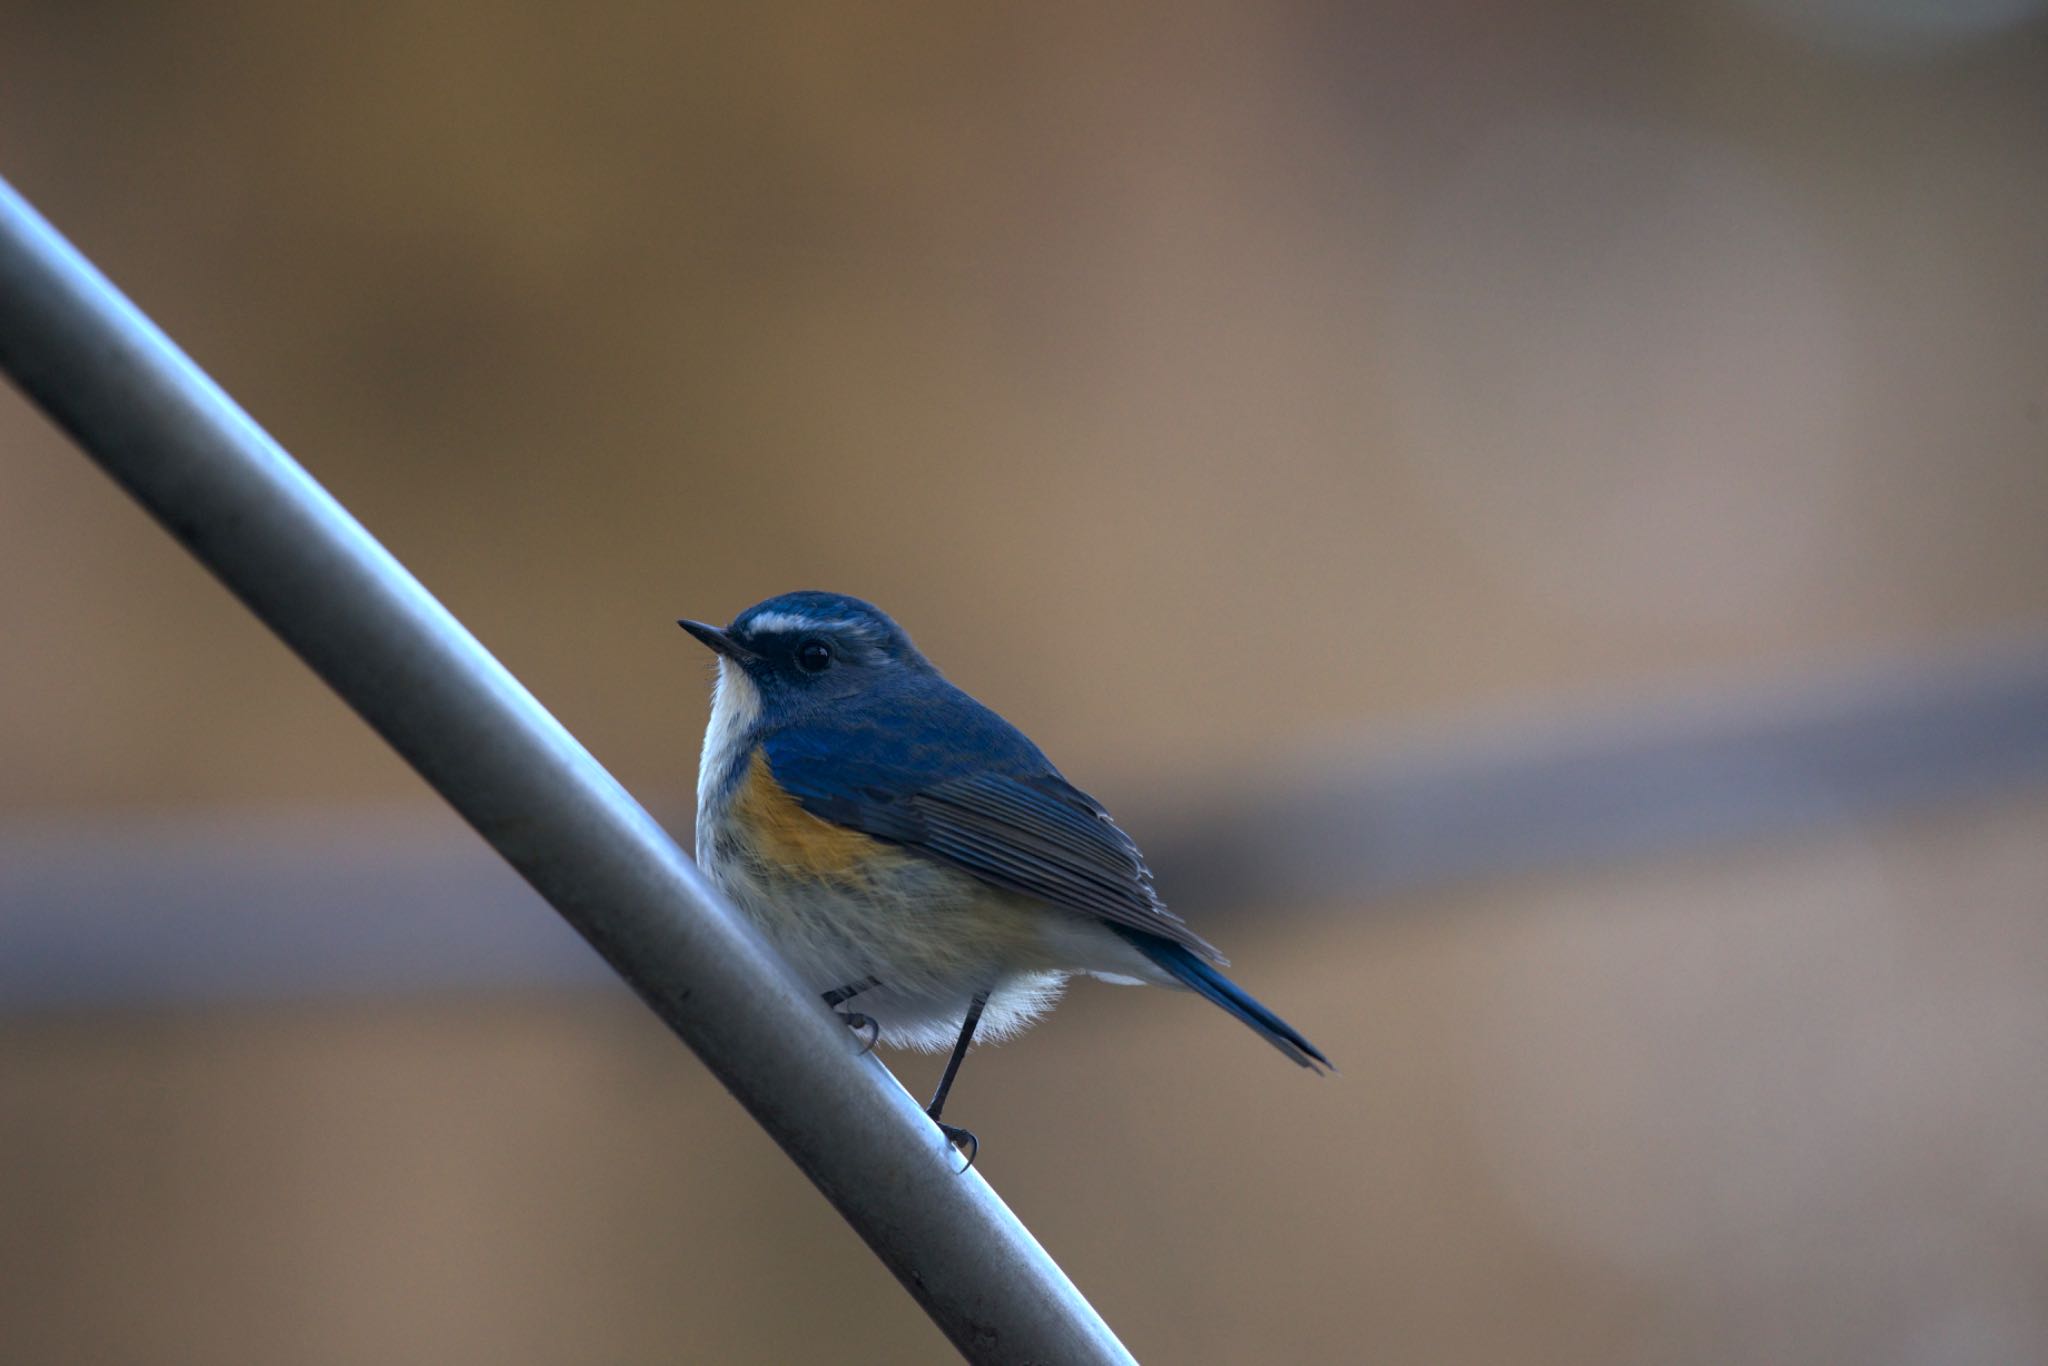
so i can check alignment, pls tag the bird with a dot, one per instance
(910, 854)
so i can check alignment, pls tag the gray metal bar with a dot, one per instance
(295, 557)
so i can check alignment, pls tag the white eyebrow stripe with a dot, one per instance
(771, 623)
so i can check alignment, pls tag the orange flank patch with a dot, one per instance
(781, 832)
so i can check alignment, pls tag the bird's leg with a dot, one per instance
(860, 1024)
(958, 1137)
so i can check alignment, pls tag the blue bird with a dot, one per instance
(900, 843)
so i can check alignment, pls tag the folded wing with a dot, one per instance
(1006, 816)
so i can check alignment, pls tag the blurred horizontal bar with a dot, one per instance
(284, 904)
(1480, 798)
(269, 905)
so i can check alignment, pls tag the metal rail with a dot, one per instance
(170, 436)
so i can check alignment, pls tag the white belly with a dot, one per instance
(930, 936)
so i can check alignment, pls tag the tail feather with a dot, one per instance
(1203, 979)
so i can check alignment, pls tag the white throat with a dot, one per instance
(735, 706)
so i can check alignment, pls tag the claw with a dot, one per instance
(870, 1032)
(962, 1140)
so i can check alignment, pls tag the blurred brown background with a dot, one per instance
(1210, 389)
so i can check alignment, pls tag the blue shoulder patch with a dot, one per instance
(901, 742)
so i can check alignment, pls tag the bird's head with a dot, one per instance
(802, 648)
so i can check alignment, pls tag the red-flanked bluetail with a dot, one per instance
(910, 853)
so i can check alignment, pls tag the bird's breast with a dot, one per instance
(842, 907)
(783, 832)
(775, 830)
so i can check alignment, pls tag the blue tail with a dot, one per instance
(1199, 976)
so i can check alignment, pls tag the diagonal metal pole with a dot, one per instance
(295, 557)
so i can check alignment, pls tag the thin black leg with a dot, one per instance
(957, 1136)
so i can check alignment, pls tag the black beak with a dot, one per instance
(718, 640)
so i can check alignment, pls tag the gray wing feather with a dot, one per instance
(1048, 839)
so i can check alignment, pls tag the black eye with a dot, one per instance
(814, 656)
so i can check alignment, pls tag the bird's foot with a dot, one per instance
(962, 1140)
(839, 996)
(870, 1033)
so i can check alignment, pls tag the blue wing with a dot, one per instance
(932, 770)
